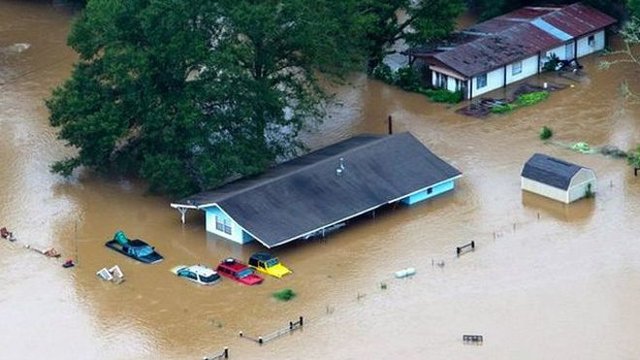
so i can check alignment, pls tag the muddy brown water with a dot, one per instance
(546, 280)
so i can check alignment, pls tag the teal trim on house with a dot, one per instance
(429, 192)
(221, 224)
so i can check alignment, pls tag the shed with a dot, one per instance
(557, 179)
(320, 191)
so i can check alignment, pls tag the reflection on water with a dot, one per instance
(545, 281)
(580, 210)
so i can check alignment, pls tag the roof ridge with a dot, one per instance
(311, 166)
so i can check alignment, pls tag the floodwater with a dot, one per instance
(546, 281)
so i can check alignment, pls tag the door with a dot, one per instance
(568, 51)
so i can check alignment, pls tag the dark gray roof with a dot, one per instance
(549, 170)
(306, 194)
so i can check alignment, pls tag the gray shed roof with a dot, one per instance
(549, 170)
(304, 195)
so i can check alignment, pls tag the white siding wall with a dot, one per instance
(529, 68)
(495, 80)
(544, 190)
(583, 44)
(580, 182)
(559, 51)
(451, 84)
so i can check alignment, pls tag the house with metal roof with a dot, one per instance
(320, 191)
(557, 179)
(512, 47)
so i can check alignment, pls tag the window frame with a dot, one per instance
(478, 82)
(224, 225)
(519, 68)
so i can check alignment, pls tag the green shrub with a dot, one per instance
(589, 192)
(546, 133)
(443, 95)
(502, 108)
(383, 73)
(532, 98)
(284, 294)
(552, 63)
(407, 78)
(633, 157)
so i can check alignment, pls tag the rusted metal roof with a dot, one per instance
(492, 26)
(578, 19)
(518, 42)
(529, 13)
(517, 35)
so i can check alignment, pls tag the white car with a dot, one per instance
(197, 273)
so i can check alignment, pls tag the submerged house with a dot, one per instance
(512, 47)
(557, 179)
(321, 190)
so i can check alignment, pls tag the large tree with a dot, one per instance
(189, 94)
(385, 23)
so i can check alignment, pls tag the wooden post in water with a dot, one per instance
(390, 123)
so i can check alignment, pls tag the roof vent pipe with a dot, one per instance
(340, 169)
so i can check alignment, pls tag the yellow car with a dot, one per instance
(268, 264)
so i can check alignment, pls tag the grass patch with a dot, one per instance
(502, 108)
(522, 100)
(531, 98)
(546, 133)
(443, 95)
(284, 294)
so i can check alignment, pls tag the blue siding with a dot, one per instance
(237, 234)
(429, 192)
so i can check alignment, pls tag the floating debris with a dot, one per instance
(405, 273)
(6, 234)
(113, 274)
(477, 339)
(53, 253)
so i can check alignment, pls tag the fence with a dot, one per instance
(293, 325)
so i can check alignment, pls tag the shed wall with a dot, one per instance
(544, 190)
(579, 184)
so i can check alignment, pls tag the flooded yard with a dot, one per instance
(545, 280)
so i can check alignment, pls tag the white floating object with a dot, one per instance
(105, 274)
(116, 272)
(113, 274)
(405, 273)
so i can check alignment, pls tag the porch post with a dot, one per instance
(183, 212)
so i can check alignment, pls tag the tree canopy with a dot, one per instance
(384, 23)
(189, 94)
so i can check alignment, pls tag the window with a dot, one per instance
(481, 81)
(441, 80)
(516, 68)
(429, 190)
(591, 40)
(223, 224)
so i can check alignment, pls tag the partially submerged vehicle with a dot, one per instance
(135, 249)
(268, 264)
(197, 273)
(235, 270)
